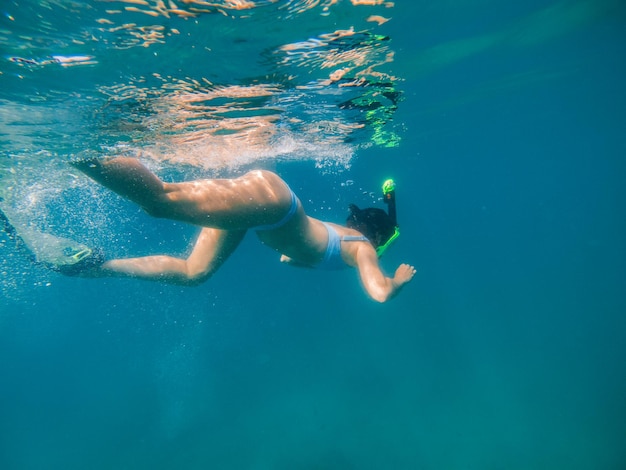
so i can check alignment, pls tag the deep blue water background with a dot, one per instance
(506, 351)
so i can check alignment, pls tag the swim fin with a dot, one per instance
(57, 253)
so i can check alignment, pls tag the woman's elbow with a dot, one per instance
(380, 295)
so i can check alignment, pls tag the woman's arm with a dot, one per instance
(376, 284)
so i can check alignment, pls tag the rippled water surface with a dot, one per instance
(209, 84)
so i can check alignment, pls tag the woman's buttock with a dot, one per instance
(303, 238)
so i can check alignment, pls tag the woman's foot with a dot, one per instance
(83, 263)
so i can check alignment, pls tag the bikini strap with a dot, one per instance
(354, 238)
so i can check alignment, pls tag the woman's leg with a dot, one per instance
(211, 249)
(256, 198)
(128, 177)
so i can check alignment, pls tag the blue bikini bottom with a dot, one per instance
(292, 211)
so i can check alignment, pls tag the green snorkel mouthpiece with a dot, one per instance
(389, 196)
(388, 186)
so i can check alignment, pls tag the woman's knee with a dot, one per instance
(191, 280)
(197, 275)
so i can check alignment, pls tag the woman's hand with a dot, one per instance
(404, 274)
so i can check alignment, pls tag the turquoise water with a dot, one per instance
(503, 127)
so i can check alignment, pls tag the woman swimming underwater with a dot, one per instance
(226, 208)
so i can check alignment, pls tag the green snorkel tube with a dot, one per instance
(389, 196)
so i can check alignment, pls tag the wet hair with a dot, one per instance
(374, 223)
